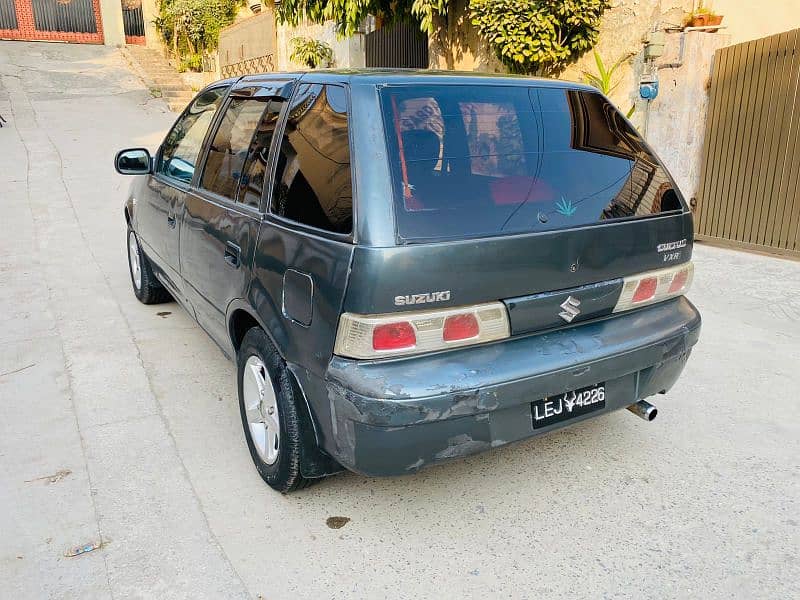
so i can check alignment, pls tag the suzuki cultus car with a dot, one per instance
(412, 267)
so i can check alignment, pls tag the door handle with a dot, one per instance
(171, 220)
(232, 254)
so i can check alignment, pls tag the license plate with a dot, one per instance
(568, 405)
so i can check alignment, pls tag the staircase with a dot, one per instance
(162, 79)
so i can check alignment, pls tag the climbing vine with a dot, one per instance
(528, 36)
(538, 36)
(350, 14)
(191, 28)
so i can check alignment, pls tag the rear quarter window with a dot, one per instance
(470, 161)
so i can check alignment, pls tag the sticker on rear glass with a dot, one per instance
(566, 207)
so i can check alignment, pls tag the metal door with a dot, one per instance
(133, 21)
(8, 15)
(74, 16)
(400, 46)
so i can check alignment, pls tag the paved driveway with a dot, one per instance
(119, 425)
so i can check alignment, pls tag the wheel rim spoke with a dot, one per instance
(136, 265)
(261, 409)
(258, 431)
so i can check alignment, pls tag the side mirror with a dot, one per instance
(133, 161)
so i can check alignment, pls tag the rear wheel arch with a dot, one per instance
(239, 323)
(313, 463)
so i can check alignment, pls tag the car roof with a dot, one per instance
(382, 76)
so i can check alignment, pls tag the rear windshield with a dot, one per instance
(471, 161)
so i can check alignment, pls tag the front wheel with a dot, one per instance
(270, 417)
(145, 285)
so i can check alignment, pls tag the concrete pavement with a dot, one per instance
(131, 412)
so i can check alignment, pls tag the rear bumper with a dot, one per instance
(393, 417)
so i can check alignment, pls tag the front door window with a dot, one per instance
(181, 148)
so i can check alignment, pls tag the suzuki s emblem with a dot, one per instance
(571, 310)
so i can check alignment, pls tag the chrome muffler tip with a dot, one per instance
(644, 410)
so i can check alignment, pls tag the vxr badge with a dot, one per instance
(571, 310)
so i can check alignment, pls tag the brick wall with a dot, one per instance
(27, 30)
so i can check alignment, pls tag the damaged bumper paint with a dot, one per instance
(393, 417)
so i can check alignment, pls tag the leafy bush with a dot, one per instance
(191, 27)
(538, 36)
(310, 52)
(349, 14)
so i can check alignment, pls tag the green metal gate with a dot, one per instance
(749, 193)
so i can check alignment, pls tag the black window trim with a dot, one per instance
(291, 224)
(172, 181)
(234, 203)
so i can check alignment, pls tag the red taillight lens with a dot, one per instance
(393, 336)
(460, 327)
(645, 290)
(655, 286)
(678, 281)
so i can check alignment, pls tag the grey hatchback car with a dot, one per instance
(412, 267)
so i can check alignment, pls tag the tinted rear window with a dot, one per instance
(472, 161)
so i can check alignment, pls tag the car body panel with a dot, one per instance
(327, 262)
(510, 266)
(218, 241)
(484, 393)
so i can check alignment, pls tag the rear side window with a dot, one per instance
(229, 148)
(181, 148)
(255, 166)
(472, 161)
(313, 185)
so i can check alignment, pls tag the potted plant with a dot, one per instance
(310, 52)
(703, 16)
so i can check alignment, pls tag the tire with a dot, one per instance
(268, 404)
(146, 287)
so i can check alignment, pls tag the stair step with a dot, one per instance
(160, 75)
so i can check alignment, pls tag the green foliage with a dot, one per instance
(310, 52)
(349, 14)
(538, 36)
(191, 27)
(603, 80)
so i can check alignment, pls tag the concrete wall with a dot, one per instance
(347, 52)
(248, 38)
(113, 27)
(151, 36)
(747, 20)
(461, 49)
(675, 121)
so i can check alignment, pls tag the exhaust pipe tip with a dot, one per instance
(644, 410)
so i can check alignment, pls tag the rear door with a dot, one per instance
(224, 211)
(159, 211)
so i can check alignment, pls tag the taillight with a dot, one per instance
(655, 286)
(394, 336)
(401, 334)
(460, 327)
(645, 290)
